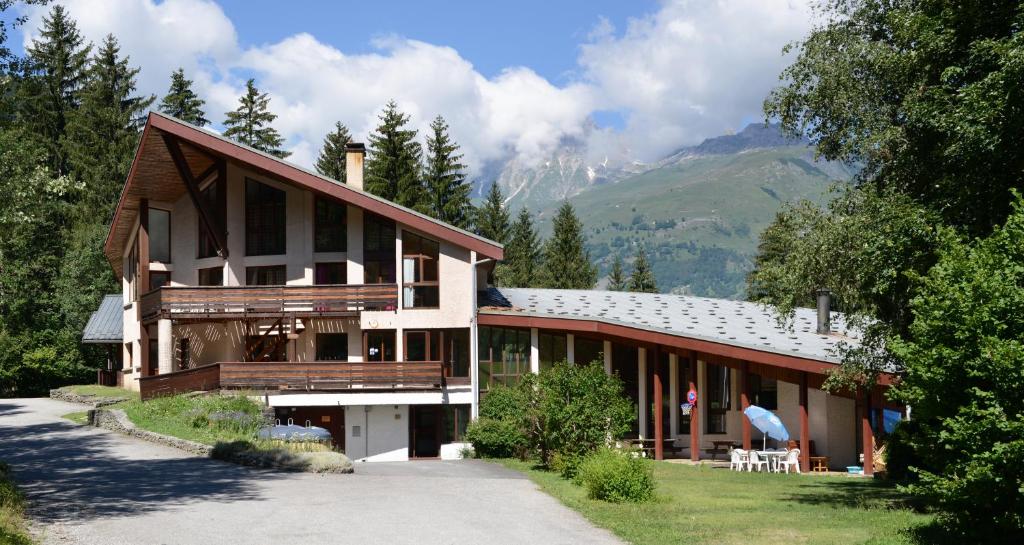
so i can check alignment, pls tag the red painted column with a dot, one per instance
(805, 427)
(659, 434)
(867, 435)
(745, 401)
(694, 413)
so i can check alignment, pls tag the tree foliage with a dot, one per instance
(445, 178)
(393, 162)
(616, 276)
(331, 160)
(521, 265)
(250, 123)
(566, 263)
(642, 278)
(492, 218)
(182, 102)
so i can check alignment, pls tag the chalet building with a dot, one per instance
(343, 310)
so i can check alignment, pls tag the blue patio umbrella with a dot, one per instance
(769, 424)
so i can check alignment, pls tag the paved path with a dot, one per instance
(86, 485)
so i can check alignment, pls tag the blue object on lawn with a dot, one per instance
(295, 433)
(767, 423)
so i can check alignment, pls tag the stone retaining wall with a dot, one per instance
(117, 420)
(71, 397)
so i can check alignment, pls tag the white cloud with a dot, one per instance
(688, 71)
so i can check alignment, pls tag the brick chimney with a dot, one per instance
(354, 154)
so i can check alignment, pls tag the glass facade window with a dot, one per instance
(423, 345)
(684, 387)
(420, 285)
(330, 273)
(552, 349)
(214, 276)
(212, 198)
(625, 364)
(587, 351)
(265, 219)
(265, 276)
(379, 345)
(456, 417)
(458, 352)
(159, 235)
(764, 392)
(378, 249)
(718, 397)
(504, 355)
(331, 347)
(330, 226)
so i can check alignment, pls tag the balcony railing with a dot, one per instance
(256, 301)
(302, 376)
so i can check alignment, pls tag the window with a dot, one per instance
(587, 351)
(159, 235)
(458, 352)
(154, 354)
(214, 276)
(718, 397)
(423, 345)
(185, 353)
(625, 364)
(330, 230)
(211, 196)
(378, 249)
(265, 219)
(764, 392)
(552, 349)
(331, 347)
(132, 273)
(265, 276)
(684, 387)
(504, 355)
(380, 345)
(158, 279)
(419, 272)
(330, 273)
(456, 417)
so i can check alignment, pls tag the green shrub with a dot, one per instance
(504, 403)
(615, 476)
(496, 438)
(567, 464)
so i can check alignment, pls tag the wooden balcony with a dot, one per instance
(314, 376)
(229, 302)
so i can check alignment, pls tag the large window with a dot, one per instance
(159, 235)
(213, 276)
(718, 396)
(331, 347)
(764, 392)
(456, 417)
(379, 345)
(265, 276)
(552, 349)
(330, 230)
(419, 272)
(132, 272)
(423, 345)
(625, 364)
(211, 197)
(587, 351)
(684, 388)
(378, 249)
(330, 273)
(504, 355)
(265, 219)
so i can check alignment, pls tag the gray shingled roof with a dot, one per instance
(737, 323)
(106, 324)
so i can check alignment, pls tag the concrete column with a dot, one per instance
(642, 394)
(673, 394)
(607, 357)
(534, 350)
(165, 346)
(570, 348)
(354, 245)
(399, 344)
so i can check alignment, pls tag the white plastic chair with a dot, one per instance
(757, 461)
(792, 459)
(738, 459)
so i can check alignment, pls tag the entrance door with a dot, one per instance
(425, 432)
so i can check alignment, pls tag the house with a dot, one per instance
(243, 272)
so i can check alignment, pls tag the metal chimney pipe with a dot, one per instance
(824, 311)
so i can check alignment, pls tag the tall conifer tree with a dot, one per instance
(182, 102)
(642, 280)
(331, 160)
(445, 178)
(492, 218)
(617, 277)
(566, 259)
(393, 162)
(521, 265)
(250, 123)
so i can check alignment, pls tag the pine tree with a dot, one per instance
(103, 132)
(56, 70)
(331, 161)
(492, 219)
(250, 123)
(522, 255)
(566, 259)
(393, 162)
(445, 178)
(642, 279)
(616, 277)
(181, 102)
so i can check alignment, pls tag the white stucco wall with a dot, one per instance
(377, 433)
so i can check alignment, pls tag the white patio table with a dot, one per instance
(773, 457)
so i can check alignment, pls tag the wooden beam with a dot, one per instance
(805, 428)
(193, 191)
(659, 434)
(694, 413)
(745, 401)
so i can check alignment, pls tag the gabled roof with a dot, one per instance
(742, 324)
(105, 325)
(153, 176)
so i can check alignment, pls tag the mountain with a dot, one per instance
(698, 212)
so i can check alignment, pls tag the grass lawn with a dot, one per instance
(78, 417)
(12, 514)
(699, 504)
(102, 391)
(195, 417)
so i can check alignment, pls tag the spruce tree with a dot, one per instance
(103, 132)
(566, 259)
(331, 160)
(56, 70)
(393, 162)
(616, 277)
(522, 255)
(492, 219)
(250, 123)
(642, 279)
(445, 178)
(181, 102)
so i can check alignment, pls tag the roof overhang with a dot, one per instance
(153, 176)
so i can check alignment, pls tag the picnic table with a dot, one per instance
(722, 447)
(647, 446)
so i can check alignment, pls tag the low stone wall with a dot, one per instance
(71, 397)
(117, 420)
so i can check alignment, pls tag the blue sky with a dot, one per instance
(629, 80)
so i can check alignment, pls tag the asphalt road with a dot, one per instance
(90, 486)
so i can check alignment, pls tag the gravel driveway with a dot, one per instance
(92, 486)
